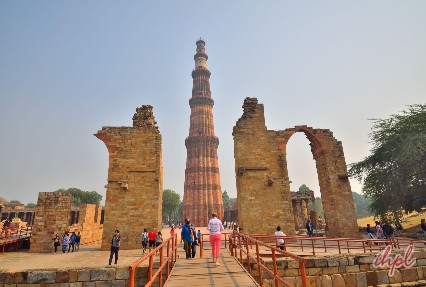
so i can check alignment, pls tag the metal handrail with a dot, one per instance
(244, 243)
(171, 247)
(314, 244)
(225, 240)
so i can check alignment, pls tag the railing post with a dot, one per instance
(131, 282)
(151, 264)
(338, 246)
(168, 261)
(161, 263)
(241, 249)
(248, 256)
(303, 274)
(175, 248)
(201, 246)
(274, 263)
(259, 270)
(313, 247)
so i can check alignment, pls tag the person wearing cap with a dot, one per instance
(215, 227)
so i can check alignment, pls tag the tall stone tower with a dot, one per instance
(202, 192)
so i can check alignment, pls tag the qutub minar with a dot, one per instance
(202, 192)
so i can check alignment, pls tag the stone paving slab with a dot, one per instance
(203, 272)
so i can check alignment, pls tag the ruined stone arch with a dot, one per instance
(260, 156)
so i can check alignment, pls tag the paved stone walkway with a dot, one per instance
(90, 256)
(203, 272)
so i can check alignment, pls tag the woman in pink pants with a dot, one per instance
(215, 227)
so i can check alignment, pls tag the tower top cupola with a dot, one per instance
(200, 56)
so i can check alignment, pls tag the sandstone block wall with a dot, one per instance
(264, 199)
(89, 225)
(135, 179)
(51, 217)
(263, 185)
(349, 271)
(83, 277)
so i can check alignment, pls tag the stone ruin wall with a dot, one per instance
(264, 200)
(52, 216)
(263, 185)
(89, 225)
(135, 179)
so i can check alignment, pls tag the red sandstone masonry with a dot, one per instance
(202, 190)
(262, 176)
(135, 179)
(52, 216)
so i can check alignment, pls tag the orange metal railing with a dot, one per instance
(167, 262)
(244, 243)
(313, 245)
(14, 235)
(225, 236)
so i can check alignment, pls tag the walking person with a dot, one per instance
(172, 231)
(309, 228)
(72, 242)
(389, 233)
(115, 246)
(215, 227)
(65, 241)
(369, 233)
(187, 238)
(77, 242)
(158, 240)
(379, 231)
(194, 242)
(151, 238)
(56, 242)
(280, 241)
(144, 240)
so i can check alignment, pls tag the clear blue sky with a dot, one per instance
(67, 68)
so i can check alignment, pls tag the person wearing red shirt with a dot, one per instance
(151, 238)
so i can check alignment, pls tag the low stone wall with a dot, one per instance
(348, 271)
(84, 277)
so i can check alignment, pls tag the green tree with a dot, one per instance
(361, 205)
(15, 201)
(394, 174)
(304, 187)
(31, 205)
(318, 206)
(80, 197)
(226, 200)
(171, 202)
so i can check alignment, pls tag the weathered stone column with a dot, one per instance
(135, 179)
(52, 216)
(263, 192)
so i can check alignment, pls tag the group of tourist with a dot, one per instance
(191, 239)
(69, 242)
(229, 224)
(151, 239)
(386, 231)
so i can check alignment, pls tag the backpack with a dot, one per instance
(144, 238)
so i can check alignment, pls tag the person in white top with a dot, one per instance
(280, 241)
(215, 227)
